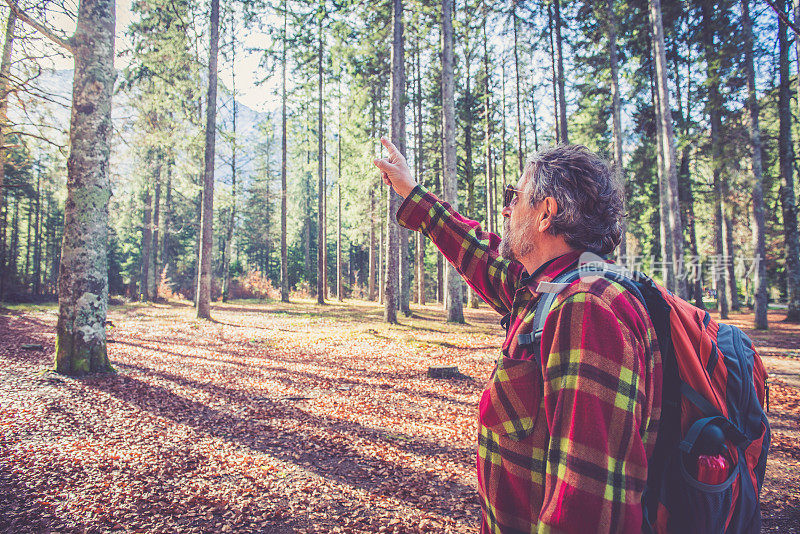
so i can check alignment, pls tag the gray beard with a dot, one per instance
(514, 240)
(505, 246)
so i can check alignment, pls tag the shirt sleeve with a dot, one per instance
(473, 252)
(597, 411)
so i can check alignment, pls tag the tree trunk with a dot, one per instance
(520, 149)
(320, 172)
(616, 113)
(307, 233)
(14, 245)
(675, 240)
(207, 218)
(198, 239)
(715, 113)
(455, 311)
(503, 127)
(697, 283)
(226, 264)
(37, 251)
(284, 248)
(714, 109)
(728, 252)
(381, 251)
(663, 208)
(788, 200)
(325, 289)
(199, 212)
(695, 286)
(420, 169)
(487, 133)
(5, 83)
(147, 241)
(405, 269)
(166, 245)
(372, 239)
(405, 266)
(373, 261)
(469, 177)
(795, 6)
(398, 134)
(26, 274)
(83, 271)
(339, 285)
(155, 275)
(562, 99)
(757, 215)
(553, 72)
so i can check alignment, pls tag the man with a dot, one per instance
(564, 440)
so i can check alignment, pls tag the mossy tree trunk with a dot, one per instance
(5, 86)
(83, 271)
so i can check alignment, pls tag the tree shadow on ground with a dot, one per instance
(267, 364)
(255, 406)
(322, 447)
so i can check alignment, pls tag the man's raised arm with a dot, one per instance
(473, 252)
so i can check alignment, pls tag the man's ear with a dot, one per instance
(549, 210)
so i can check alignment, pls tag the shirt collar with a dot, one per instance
(549, 270)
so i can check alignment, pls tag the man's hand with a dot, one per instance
(395, 171)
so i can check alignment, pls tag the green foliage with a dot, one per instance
(161, 97)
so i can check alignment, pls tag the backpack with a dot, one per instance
(714, 388)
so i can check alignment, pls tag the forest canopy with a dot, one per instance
(694, 103)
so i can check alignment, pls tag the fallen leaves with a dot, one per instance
(257, 421)
(272, 418)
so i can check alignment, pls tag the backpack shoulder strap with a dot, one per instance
(551, 290)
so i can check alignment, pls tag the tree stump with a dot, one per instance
(443, 371)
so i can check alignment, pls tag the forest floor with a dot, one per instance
(280, 418)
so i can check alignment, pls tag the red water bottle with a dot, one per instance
(712, 469)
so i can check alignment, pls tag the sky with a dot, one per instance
(248, 72)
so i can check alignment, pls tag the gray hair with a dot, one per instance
(591, 202)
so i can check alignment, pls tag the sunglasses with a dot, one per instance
(509, 194)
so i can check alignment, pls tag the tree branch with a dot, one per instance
(47, 32)
(35, 136)
(781, 15)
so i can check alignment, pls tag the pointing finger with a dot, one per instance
(393, 152)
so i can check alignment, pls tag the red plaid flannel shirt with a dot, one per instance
(563, 445)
